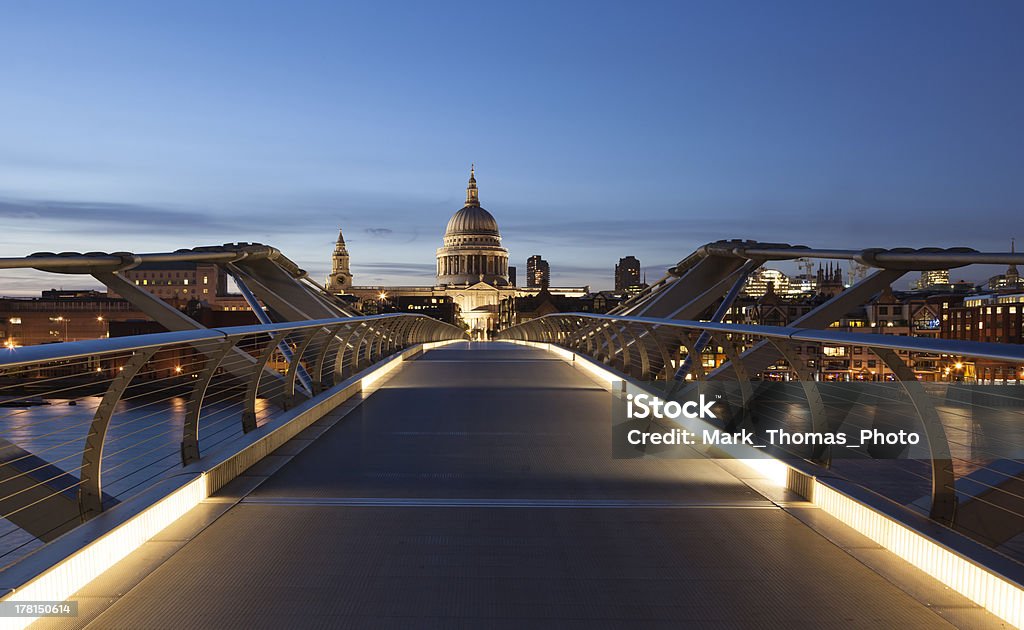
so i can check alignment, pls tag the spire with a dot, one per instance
(472, 194)
(1012, 275)
(340, 278)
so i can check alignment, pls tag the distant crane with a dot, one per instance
(806, 266)
(857, 271)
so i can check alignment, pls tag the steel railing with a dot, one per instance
(970, 474)
(86, 424)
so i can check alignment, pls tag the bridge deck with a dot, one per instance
(476, 488)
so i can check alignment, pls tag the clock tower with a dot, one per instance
(340, 279)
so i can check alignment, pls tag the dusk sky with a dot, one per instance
(599, 130)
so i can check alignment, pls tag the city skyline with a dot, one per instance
(338, 297)
(155, 128)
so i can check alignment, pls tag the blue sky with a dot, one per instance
(599, 130)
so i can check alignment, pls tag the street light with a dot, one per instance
(65, 320)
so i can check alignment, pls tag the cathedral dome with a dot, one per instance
(471, 250)
(472, 220)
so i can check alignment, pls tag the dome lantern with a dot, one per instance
(472, 194)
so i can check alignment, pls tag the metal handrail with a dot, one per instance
(127, 260)
(26, 355)
(978, 349)
(653, 347)
(895, 258)
(217, 374)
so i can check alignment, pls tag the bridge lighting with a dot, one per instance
(10, 345)
(959, 365)
(382, 295)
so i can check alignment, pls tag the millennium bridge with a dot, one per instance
(327, 469)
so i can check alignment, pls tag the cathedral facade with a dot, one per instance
(472, 271)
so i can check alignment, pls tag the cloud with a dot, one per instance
(424, 270)
(29, 282)
(583, 249)
(100, 215)
(856, 228)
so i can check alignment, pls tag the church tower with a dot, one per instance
(1012, 275)
(340, 279)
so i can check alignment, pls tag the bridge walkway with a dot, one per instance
(475, 488)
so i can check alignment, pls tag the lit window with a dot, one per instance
(15, 320)
(206, 279)
(186, 280)
(206, 290)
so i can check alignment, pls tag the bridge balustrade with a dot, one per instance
(87, 424)
(968, 470)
